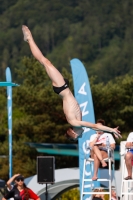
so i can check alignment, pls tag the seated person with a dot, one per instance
(113, 194)
(98, 148)
(98, 196)
(129, 155)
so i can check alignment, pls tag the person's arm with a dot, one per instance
(8, 183)
(3, 198)
(112, 142)
(129, 145)
(112, 146)
(94, 140)
(96, 127)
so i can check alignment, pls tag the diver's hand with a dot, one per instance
(116, 132)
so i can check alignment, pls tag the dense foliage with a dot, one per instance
(72, 194)
(38, 115)
(99, 33)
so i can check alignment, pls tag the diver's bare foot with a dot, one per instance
(104, 164)
(26, 33)
(71, 134)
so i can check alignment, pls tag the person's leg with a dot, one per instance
(99, 155)
(96, 166)
(104, 154)
(55, 76)
(128, 160)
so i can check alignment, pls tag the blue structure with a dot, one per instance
(9, 86)
(5, 84)
(82, 93)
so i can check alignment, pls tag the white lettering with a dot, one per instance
(84, 105)
(82, 89)
(86, 129)
(87, 173)
(85, 148)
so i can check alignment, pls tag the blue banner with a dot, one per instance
(9, 108)
(83, 95)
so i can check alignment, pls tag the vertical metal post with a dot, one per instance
(9, 108)
(46, 192)
(9, 86)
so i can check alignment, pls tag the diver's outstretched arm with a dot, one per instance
(97, 127)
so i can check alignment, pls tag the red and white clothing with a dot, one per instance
(102, 138)
(17, 195)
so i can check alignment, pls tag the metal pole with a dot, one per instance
(46, 192)
(9, 108)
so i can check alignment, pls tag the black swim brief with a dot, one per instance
(58, 90)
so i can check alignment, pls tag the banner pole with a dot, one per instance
(9, 108)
